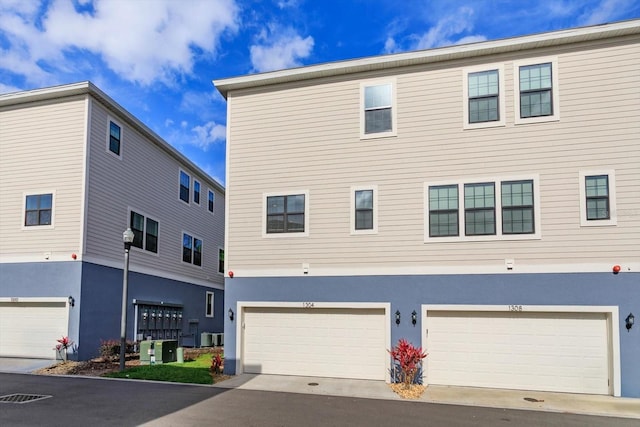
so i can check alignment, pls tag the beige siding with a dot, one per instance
(41, 150)
(146, 180)
(306, 137)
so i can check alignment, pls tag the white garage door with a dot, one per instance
(565, 352)
(30, 329)
(339, 343)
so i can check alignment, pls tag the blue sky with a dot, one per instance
(157, 57)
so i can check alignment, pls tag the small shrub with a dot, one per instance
(407, 361)
(110, 349)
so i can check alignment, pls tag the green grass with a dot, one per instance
(192, 372)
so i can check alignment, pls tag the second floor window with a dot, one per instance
(220, 260)
(185, 183)
(285, 214)
(517, 207)
(364, 210)
(38, 209)
(597, 194)
(145, 232)
(443, 210)
(191, 249)
(479, 209)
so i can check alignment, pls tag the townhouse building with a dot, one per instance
(76, 170)
(481, 201)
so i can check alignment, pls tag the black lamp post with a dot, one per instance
(127, 238)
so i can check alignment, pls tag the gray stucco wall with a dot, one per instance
(408, 293)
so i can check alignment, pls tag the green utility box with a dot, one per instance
(158, 351)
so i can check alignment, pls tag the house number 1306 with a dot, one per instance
(515, 308)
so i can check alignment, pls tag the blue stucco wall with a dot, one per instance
(408, 293)
(97, 291)
(102, 302)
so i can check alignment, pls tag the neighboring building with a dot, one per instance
(473, 199)
(76, 170)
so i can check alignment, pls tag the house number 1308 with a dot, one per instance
(515, 308)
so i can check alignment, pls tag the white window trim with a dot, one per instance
(498, 208)
(465, 96)
(193, 237)
(352, 194)
(285, 235)
(193, 192)
(144, 238)
(206, 303)
(221, 273)
(613, 211)
(213, 208)
(24, 209)
(190, 191)
(394, 109)
(109, 120)
(555, 90)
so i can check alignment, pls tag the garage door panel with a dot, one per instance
(347, 343)
(535, 351)
(30, 329)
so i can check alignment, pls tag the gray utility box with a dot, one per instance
(158, 351)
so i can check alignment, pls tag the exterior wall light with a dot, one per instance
(230, 315)
(72, 301)
(629, 321)
(414, 318)
(397, 317)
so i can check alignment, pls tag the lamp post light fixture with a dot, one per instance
(127, 238)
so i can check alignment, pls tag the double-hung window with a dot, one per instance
(211, 201)
(114, 138)
(38, 209)
(484, 209)
(191, 249)
(517, 207)
(185, 184)
(220, 260)
(597, 198)
(196, 192)
(483, 96)
(479, 209)
(364, 209)
(145, 232)
(378, 104)
(443, 210)
(537, 91)
(209, 304)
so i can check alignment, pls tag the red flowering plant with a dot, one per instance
(63, 344)
(407, 361)
(216, 364)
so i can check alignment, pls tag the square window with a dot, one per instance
(145, 232)
(286, 214)
(191, 249)
(38, 209)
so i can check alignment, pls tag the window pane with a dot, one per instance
(275, 205)
(364, 220)
(45, 201)
(275, 224)
(535, 77)
(197, 251)
(196, 192)
(364, 199)
(114, 138)
(483, 110)
(220, 261)
(484, 83)
(517, 221)
(443, 197)
(137, 226)
(479, 195)
(377, 96)
(32, 203)
(598, 209)
(597, 185)
(211, 200)
(377, 121)
(45, 217)
(31, 218)
(151, 243)
(295, 203)
(481, 222)
(295, 222)
(443, 224)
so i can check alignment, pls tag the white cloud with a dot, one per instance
(8, 88)
(142, 41)
(279, 48)
(208, 134)
(606, 11)
(448, 26)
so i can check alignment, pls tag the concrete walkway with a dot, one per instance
(492, 398)
(23, 365)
